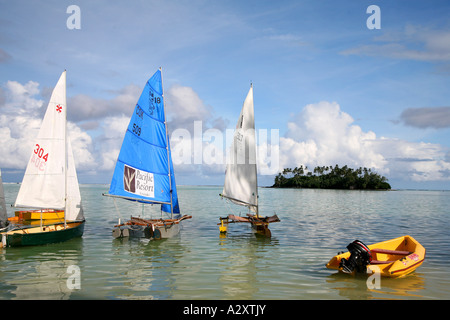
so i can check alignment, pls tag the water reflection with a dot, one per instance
(41, 272)
(356, 287)
(243, 264)
(144, 268)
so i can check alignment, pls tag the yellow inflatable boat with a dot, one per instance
(392, 258)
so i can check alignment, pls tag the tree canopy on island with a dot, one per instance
(331, 178)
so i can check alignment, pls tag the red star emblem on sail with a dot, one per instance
(59, 108)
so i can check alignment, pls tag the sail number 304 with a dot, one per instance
(40, 157)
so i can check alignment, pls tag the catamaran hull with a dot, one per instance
(260, 225)
(135, 231)
(262, 230)
(74, 230)
(150, 229)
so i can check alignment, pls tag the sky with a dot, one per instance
(334, 82)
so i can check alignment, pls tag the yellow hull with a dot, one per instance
(392, 258)
(36, 215)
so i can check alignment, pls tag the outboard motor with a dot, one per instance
(360, 257)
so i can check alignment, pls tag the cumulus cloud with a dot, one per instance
(109, 142)
(322, 135)
(18, 122)
(16, 134)
(87, 108)
(319, 134)
(82, 147)
(22, 111)
(188, 120)
(184, 106)
(21, 99)
(197, 136)
(200, 141)
(419, 161)
(431, 117)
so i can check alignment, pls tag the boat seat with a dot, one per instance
(396, 252)
(380, 262)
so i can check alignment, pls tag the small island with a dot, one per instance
(331, 178)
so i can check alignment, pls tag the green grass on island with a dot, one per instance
(331, 178)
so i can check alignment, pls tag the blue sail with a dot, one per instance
(144, 169)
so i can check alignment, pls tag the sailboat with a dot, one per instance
(144, 170)
(50, 183)
(241, 185)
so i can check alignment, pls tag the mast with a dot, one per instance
(65, 152)
(256, 160)
(167, 145)
(3, 213)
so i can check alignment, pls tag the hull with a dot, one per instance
(260, 225)
(392, 258)
(261, 229)
(33, 236)
(141, 232)
(150, 229)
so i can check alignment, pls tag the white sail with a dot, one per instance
(74, 210)
(240, 177)
(44, 183)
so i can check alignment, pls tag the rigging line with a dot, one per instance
(115, 205)
(227, 201)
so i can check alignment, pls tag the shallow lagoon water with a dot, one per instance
(201, 264)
